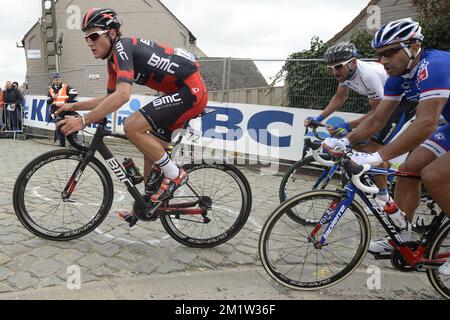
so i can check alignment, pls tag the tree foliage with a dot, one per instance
(434, 17)
(311, 86)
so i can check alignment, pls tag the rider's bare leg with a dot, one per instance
(407, 190)
(436, 178)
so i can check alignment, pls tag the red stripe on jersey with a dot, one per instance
(126, 74)
(135, 41)
(167, 50)
(129, 74)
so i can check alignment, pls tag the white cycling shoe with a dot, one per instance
(386, 245)
(445, 268)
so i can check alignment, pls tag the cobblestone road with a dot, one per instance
(114, 251)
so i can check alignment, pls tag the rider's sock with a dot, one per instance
(383, 195)
(406, 234)
(168, 167)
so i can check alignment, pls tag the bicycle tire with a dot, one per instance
(23, 207)
(290, 261)
(181, 233)
(437, 280)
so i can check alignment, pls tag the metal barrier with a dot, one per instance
(308, 85)
(11, 120)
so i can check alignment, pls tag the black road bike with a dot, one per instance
(65, 194)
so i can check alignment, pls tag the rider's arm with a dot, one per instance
(427, 118)
(88, 104)
(373, 103)
(375, 122)
(110, 103)
(337, 101)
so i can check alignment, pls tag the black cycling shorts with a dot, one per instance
(170, 112)
(402, 114)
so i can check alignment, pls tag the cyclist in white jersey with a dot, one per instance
(368, 79)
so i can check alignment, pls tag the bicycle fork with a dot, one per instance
(333, 213)
(76, 176)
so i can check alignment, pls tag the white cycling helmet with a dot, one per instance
(403, 30)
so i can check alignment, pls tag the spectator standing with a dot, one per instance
(11, 98)
(59, 94)
(2, 117)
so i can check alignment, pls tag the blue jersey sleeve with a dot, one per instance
(393, 89)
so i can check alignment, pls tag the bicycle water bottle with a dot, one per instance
(132, 171)
(396, 215)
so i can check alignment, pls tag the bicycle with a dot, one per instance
(320, 171)
(65, 194)
(310, 257)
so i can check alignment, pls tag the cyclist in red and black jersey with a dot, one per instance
(132, 60)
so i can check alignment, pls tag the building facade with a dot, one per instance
(147, 19)
(389, 10)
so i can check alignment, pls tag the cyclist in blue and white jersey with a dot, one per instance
(367, 79)
(421, 75)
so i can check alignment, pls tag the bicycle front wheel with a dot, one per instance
(289, 255)
(229, 198)
(440, 250)
(38, 196)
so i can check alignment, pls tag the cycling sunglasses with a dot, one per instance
(93, 36)
(339, 66)
(389, 53)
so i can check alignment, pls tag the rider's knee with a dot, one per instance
(412, 165)
(128, 128)
(433, 175)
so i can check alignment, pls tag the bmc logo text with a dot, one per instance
(118, 171)
(120, 51)
(167, 99)
(163, 64)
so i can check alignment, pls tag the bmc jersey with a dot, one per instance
(368, 80)
(429, 79)
(147, 63)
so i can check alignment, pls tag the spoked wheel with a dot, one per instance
(306, 175)
(223, 193)
(41, 207)
(293, 259)
(440, 250)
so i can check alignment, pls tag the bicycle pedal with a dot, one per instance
(130, 218)
(381, 256)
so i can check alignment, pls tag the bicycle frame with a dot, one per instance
(335, 211)
(147, 209)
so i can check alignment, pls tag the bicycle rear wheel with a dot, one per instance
(228, 194)
(440, 249)
(290, 258)
(38, 196)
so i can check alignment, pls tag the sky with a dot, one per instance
(264, 29)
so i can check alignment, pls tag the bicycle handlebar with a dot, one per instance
(318, 158)
(357, 171)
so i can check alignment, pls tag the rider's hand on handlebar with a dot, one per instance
(339, 130)
(65, 107)
(335, 147)
(70, 124)
(361, 158)
(313, 122)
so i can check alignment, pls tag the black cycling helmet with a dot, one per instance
(104, 18)
(340, 52)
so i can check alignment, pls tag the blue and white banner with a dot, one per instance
(265, 131)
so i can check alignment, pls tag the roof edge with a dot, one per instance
(354, 22)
